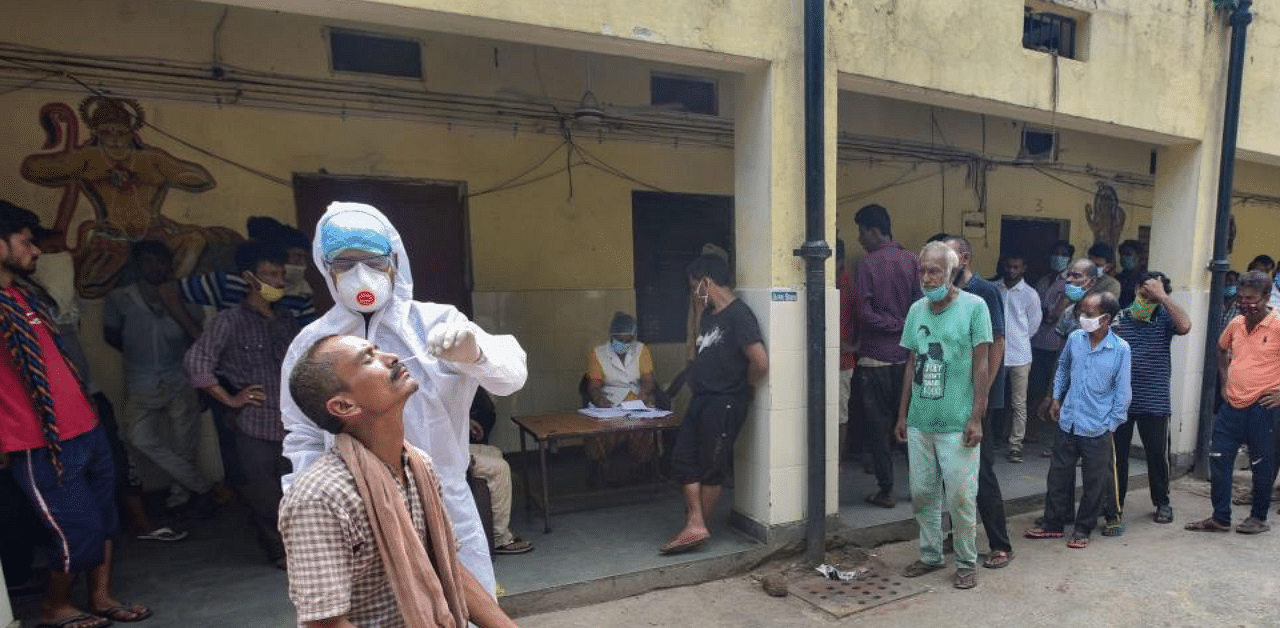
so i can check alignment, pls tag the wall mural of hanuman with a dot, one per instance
(126, 182)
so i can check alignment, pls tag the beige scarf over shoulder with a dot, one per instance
(427, 596)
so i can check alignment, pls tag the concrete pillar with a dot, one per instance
(1182, 224)
(771, 456)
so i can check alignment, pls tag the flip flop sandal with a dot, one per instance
(1208, 525)
(965, 579)
(920, 568)
(677, 546)
(516, 546)
(78, 619)
(163, 534)
(998, 559)
(1078, 541)
(127, 612)
(1041, 533)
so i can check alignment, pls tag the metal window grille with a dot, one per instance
(688, 94)
(1049, 32)
(353, 51)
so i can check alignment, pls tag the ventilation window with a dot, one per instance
(1049, 32)
(353, 51)
(683, 93)
(1038, 145)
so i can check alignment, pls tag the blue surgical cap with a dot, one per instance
(353, 230)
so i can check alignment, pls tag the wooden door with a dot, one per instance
(1034, 238)
(430, 216)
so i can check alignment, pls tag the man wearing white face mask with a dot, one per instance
(1091, 394)
(366, 269)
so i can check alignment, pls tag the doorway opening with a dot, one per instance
(1032, 238)
(669, 230)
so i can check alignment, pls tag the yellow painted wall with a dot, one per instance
(922, 201)
(747, 29)
(546, 267)
(1257, 221)
(1260, 94)
(1143, 67)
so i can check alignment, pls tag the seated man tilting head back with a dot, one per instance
(368, 541)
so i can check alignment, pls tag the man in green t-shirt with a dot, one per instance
(948, 335)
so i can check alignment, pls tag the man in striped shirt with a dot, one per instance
(1148, 325)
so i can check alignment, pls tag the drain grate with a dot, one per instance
(842, 598)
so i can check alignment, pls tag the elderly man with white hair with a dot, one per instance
(367, 271)
(948, 337)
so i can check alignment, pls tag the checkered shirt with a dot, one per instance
(334, 566)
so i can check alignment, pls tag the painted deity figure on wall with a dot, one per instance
(126, 183)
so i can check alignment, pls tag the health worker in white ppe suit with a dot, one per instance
(367, 271)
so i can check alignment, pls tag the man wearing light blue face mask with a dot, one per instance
(940, 412)
(1081, 280)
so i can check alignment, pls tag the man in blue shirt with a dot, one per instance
(1091, 393)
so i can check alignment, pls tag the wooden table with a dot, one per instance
(546, 429)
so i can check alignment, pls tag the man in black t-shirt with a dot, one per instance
(990, 500)
(730, 361)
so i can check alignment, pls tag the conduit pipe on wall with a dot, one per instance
(815, 252)
(1240, 19)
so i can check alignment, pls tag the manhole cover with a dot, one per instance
(845, 597)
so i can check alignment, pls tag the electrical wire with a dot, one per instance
(189, 81)
(507, 184)
(29, 84)
(604, 166)
(203, 151)
(1084, 189)
(523, 183)
(898, 182)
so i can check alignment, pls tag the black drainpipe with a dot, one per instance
(1240, 19)
(815, 252)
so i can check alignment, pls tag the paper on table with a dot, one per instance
(634, 404)
(648, 414)
(621, 412)
(604, 413)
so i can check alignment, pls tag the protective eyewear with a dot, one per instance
(380, 263)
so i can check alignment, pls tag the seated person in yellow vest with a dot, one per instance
(488, 464)
(617, 371)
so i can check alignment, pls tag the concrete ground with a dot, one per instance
(1022, 486)
(218, 577)
(1154, 575)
